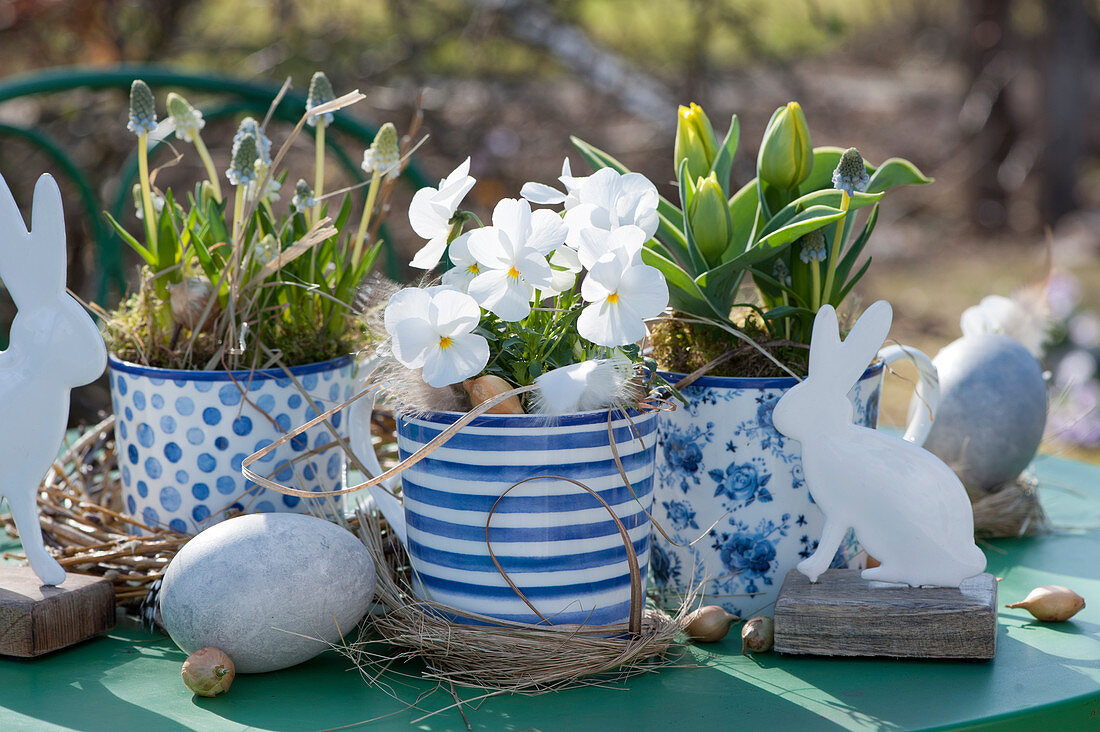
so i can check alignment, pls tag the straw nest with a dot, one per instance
(1010, 510)
(498, 656)
(84, 526)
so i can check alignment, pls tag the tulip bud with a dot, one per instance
(786, 155)
(695, 141)
(709, 217)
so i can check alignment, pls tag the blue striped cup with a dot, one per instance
(555, 540)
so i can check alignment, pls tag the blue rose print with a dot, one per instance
(742, 482)
(749, 555)
(664, 566)
(680, 514)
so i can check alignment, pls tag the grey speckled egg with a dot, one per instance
(993, 408)
(241, 584)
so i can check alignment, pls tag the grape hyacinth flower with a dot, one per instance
(320, 92)
(142, 121)
(188, 122)
(242, 163)
(851, 174)
(303, 198)
(813, 247)
(382, 160)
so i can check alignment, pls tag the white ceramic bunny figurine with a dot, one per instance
(908, 509)
(54, 346)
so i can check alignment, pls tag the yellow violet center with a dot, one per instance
(613, 298)
(445, 342)
(513, 272)
(473, 269)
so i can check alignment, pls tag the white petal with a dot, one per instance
(566, 258)
(466, 355)
(489, 247)
(541, 194)
(601, 188)
(427, 218)
(547, 231)
(604, 324)
(561, 280)
(413, 338)
(535, 270)
(453, 313)
(629, 240)
(459, 278)
(457, 175)
(452, 194)
(429, 255)
(643, 289)
(512, 216)
(602, 279)
(595, 243)
(459, 251)
(506, 296)
(411, 302)
(584, 216)
(648, 223)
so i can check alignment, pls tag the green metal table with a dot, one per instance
(1044, 676)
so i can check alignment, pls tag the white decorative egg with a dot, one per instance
(993, 408)
(254, 585)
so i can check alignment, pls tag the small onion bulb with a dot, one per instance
(208, 672)
(488, 386)
(1051, 603)
(708, 624)
(757, 635)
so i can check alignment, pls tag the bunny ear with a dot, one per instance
(11, 221)
(864, 341)
(825, 341)
(49, 255)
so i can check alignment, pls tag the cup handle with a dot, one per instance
(926, 397)
(359, 438)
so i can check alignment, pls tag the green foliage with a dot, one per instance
(705, 256)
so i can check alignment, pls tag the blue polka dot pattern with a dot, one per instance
(185, 439)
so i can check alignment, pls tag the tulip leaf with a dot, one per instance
(695, 257)
(849, 259)
(758, 276)
(801, 223)
(597, 159)
(683, 293)
(896, 172)
(851, 283)
(743, 208)
(787, 311)
(723, 162)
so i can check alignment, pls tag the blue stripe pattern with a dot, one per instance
(572, 569)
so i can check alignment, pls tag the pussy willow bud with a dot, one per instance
(384, 154)
(143, 113)
(187, 119)
(320, 92)
(709, 217)
(695, 140)
(786, 154)
(851, 174)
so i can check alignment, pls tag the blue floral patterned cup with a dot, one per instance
(721, 459)
(182, 436)
(555, 540)
(724, 473)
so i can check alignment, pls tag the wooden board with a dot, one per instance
(846, 615)
(36, 619)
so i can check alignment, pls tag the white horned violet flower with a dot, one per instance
(622, 293)
(609, 200)
(430, 329)
(542, 194)
(431, 211)
(512, 257)
(465, 267)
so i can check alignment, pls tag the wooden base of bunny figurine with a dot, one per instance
(36, 619)
(843, 614)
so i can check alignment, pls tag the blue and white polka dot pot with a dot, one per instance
(557, 542)
(182, 436)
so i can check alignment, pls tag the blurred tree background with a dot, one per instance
(997, 99)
